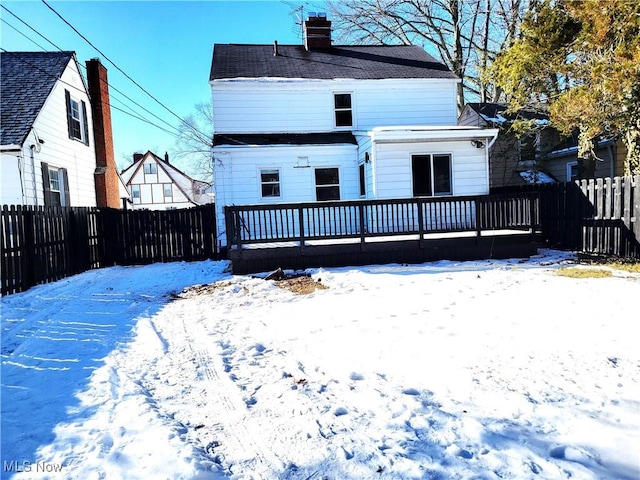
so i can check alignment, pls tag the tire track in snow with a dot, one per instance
(226, 406)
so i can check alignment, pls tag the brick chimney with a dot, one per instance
(106, 174)
(317, 31)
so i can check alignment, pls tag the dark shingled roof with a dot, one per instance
(331, 138)
(492, 110)
(26, 80)
(294, 61)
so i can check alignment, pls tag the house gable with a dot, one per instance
(154, 183)
(26, 81)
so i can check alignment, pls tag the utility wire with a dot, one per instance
(83, 91)
(123, 72)
(110, 86)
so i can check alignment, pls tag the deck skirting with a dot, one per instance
(264, 258)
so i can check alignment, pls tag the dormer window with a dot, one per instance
(343, 109)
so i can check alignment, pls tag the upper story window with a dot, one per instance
(270, 183)
(431, 175)
(168, 193)
(77, 122)
(327, 184)
(151, 168)
(343, 109)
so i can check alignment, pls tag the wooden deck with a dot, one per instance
(297, 236)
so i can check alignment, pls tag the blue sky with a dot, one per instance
(166, 47)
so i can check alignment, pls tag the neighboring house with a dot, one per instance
(316, 122)
(542, 155)
(513, 159)
(47, 144)
(563, 164)
(155, 184)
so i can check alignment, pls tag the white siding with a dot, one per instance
(307, 106)
(393, 167)
(58, 150)
(237, 174)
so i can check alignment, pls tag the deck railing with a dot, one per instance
(304, 222)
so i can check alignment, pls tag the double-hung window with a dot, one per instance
(77, 121)
(56, 185)
(431, 175)
(327, 184)
(135, 192)
(270, 183)
(343, 109)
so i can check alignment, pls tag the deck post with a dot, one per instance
(478, 219)
(420, 204)
(301, 221)
(362, 232)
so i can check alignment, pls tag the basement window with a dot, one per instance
(343, 109)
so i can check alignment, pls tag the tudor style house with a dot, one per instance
(318, 122)
(49, 154)
(154, 184)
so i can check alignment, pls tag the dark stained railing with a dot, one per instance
(303, 222)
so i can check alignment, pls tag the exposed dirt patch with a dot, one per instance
(301, 284)
(196, 290)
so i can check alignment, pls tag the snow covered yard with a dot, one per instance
(445, 370)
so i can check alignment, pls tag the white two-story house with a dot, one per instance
(47, 148)
(317, 122)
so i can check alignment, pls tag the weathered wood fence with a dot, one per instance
(44, 244)
(597, 216)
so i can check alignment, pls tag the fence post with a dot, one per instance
(420, 205)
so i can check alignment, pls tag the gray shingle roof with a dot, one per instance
(294, 61)
(26, 80)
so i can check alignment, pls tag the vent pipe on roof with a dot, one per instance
(275, 48)
(166, 157)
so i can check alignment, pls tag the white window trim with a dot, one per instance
(353, 109)
(339, 184)
(60, 178)
(270, 198)
(569, 166)
(451, 172)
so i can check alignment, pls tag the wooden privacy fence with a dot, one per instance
(361, 219)
(597, 216)
(44, 244)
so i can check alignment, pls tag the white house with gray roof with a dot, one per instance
(47, 154)
(315, 122)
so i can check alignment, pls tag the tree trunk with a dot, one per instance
(632, 142)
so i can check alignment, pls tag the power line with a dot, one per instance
(122, 71)
(110, 86)
(83, 91)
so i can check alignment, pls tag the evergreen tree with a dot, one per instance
(579, 61)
